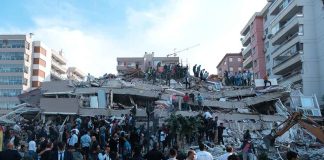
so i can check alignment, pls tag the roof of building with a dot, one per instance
(57, 87)
(228, 54)
(256, 14)
(59, 105)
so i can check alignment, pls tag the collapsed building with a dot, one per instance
(240, 108)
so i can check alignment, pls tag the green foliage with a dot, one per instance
(184, 125)
(263, 156)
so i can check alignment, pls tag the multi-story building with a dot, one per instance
(58, 66)
(15, 70)
(253, 51)
(74, 73)
(294, 40)
(48, 65)
(24, 65)
(124, 63)
(231, 62)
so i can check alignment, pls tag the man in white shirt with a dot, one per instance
(203, 154)
(229, 151)
(74, 139)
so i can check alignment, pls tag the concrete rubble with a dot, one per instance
(239, 108)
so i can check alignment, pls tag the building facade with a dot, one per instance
(125, 63)
(15, 68)
(295, 43)
(24, 65)
(231, 62)
(76, 74)
(253, 51)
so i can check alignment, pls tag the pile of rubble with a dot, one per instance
(239, 108)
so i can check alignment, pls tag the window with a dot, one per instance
(252, 38)
(231, 59)
(25, 81)
(12, 43)
(225, 63)
(231, 69)
(11, 56)
(301, 30)
(255, 63)
(4, 68)
(9, 92)
(253, 50)
(26, 69)
(267, 44)
(10, 80)
(26, 57)
(239, 59)
(268, 58)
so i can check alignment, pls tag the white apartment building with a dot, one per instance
(48, 65)
(24, 65)
(15, 70)
(74, 73)
(294, 43)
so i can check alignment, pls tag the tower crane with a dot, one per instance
(185, 49)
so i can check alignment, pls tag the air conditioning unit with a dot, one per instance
(270, 36)
(241, 39)
(264, 37)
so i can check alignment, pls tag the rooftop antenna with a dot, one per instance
(31, 35)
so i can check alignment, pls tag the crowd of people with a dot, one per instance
(238, 78)
(166, 72)
(200, 73)
(91, 138)
(107, 138)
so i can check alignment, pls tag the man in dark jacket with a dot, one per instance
(10, 153)
(154, 154)
(61, 154)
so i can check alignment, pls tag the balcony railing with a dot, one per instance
(285, 42)
(59, 66)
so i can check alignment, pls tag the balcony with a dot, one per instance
(246, 40)
(59, 58)
(287, 63)
(286, 45)
(293, 78)
(287, 31)
(247, 50)
(290, 9)
(247, 63)
(274, 7)
(57, 76)
(59, 67)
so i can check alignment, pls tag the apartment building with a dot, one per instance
(76, 74)
(294, 40)
(125, 63)
(48, 65)
(15, 70)
(58, 66)
(253, 51)
(231, 62)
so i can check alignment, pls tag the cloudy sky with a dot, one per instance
(92, 33)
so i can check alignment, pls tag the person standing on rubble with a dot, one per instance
(200, 101)
(220, 130)
(185, 101)
(247, 135)
(194, 69)
(248, 150)
(266, 80)
(249, 77)
(187, 81)
(198, 71)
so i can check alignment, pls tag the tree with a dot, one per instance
(183, 126)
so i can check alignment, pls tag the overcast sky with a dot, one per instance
(92, 33)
